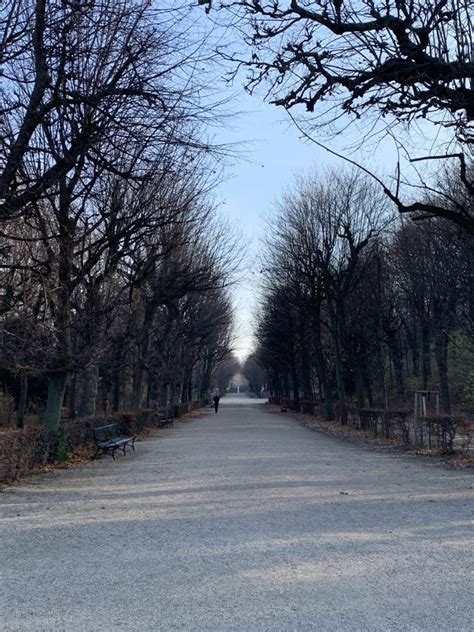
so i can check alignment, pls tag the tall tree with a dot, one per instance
(81, 80)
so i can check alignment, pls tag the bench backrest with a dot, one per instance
(103, 433)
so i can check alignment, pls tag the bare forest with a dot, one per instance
(237, 258)
(367, 308)
(114, 275)
(367, 293)
(113, 280)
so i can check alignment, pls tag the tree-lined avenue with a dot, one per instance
(242, 520)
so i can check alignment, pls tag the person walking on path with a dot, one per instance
(216, 402)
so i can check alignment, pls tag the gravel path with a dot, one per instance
(242, 520)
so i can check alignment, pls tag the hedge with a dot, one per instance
(443, 433)
(21, 450)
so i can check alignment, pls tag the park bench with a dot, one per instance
(163, 420)
(108, 440)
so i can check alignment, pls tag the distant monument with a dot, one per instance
(238, 384)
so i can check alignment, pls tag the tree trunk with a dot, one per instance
(104, 397)
(441, 353)
(187, 390)
(59, 372)
(56, 390)
(367, 385)
(148, 392)
(337, 325)
(322, 371)
(412, 338)
(425, 354)
(140, 364)
(137, 387)
(294, 379)
(166, 400)
(20, 413)
(206, 380)
(205, 383)
(116, 389)
(73, 396)
(305, 363)
(89, 391)
(171, 399)
(341, 387)
(359, 384)
(396, 357)
(286, 385)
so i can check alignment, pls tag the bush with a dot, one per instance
(21, 450)
(7, 409)
(129, 422)
(308, 407)
(443, 431)
(60, 448)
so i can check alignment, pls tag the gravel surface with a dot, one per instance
(239, 521)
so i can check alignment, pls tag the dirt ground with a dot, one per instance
(371, 441)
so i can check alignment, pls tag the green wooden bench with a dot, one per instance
(108, 439)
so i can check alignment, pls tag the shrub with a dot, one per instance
(308, 407)
(21, 450)
(59, 445)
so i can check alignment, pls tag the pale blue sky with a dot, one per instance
(274, 154)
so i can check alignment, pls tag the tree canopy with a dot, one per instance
(383, 62)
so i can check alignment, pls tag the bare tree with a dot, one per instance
(405, 59)
(79, 82)
(100, 126)
(323, 228)
(255, 375)
(225, 370)
(395, 61)
(393, 298)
